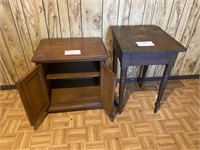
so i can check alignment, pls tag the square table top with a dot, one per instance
(152, 39)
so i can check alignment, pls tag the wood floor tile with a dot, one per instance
(175, 126)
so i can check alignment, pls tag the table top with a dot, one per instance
(149, 37)
(62, 50)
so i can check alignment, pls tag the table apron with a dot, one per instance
(152, 59)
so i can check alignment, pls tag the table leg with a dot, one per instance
(141, 80)
(114, 62)
(121, 89)
(162, 87)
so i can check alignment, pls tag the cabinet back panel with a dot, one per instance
(73, 67)
(61, 83)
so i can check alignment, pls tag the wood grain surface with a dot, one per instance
(64, 18)
(91, 18)
(197, 68)
(52, 18)
(193, 54)
(12, 40)
(9, 69)
(137, 10)
(175, 16)
(3, 78)
(35, 20)
(23, 31)
(124, 12)
(149, 12)
(109, 18)
(188, 34)
(75, 21)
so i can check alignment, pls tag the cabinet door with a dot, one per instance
(33, 92)
(108, 84)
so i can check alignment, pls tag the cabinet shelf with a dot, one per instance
(69, 99)
(79, 75)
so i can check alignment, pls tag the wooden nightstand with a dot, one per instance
(70, 75)
(143, 45)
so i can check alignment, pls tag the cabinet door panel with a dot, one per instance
(108, 84)
(33, 92)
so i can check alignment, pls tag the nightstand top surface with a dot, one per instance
(127, 36)
(53, 50)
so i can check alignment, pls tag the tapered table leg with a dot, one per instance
(114, 62)
(162, 87)
(121, 89)
(141, 80)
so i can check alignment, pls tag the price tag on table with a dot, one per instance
(73, 52)
(145, 43)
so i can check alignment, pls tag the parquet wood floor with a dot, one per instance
(174, 127)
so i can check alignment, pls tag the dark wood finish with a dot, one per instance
(74, 82)
(144, 71)
(129, 53)
(121, 90)
(63, 83)
(7, 87)
(66, 70)
(73, 67)
(73, 75)
(114, 61)
(163, 85)
(108, 84)
(34, 96)
(128, 35)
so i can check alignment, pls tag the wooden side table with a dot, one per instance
(70, 75)
(143, 45)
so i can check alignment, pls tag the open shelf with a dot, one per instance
(68, 70)
(74, 85)
(77, 98)
(78, 75)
